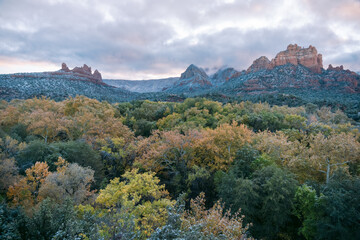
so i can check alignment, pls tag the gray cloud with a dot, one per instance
(141, 39)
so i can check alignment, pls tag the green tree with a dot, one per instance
(307, 209)
(51, 220)
(266, 199)
(340, 208)
(36, 151)
(81, 153)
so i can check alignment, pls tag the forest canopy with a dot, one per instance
(199, 169)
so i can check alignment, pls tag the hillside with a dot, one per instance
(142, 86)
(58, 87)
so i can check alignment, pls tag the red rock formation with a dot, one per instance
(341, 68)
(259, 64)
(97, 75)
(84, 72)
(295, 55)
(64, 67)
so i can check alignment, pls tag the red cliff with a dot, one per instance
(295, 55)
(85, 72)
(259, 64)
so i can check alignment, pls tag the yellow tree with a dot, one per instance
(26, 191)
(9, 116)
(217, 148)
(46, 124)
(91, 120)
(326, 154)
(142, 196)
(277, 146)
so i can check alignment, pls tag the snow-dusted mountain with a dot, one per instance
(142, 86)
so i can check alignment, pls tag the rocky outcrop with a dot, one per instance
(290, 76)
(84, 72)
(295, 55)
(64, 67)
(193, 72)
(259, 64)
(194, 78)
(338, 68)
(97, 74)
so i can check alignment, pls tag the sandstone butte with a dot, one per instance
(84, 71)
(295, 55)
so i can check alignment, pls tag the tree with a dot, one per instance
(140, 195)
(144, 127)
(306, 208)
(12, 222)
(266, 200)
(90, 119)
(169, 154)
(8, 173)
(295, 121)
(36, 151)
(9, 116)
(214, 222)
(340, 218)
(51, 220)
(46, 124)
(326, 154)
(117, 156)
(169, 122)
(81, 153)
(26, 191)
(10, 147)
(173, 227)
(69, 181)
(277, 146)
(217, 148)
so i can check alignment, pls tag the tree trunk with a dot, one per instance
(328, 173)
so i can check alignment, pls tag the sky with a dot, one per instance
(145, 39)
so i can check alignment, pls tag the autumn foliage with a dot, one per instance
(198, 169)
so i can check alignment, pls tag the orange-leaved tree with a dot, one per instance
(26, 191)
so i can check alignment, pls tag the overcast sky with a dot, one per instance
(143, 39)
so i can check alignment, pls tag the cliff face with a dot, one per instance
(259, 64)
(291, 76)
(85, 72)
(296, 55)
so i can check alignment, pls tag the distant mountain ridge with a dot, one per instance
(295, 67)
(293, 70)
(142, 86)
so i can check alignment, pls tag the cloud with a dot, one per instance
(160, 38)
